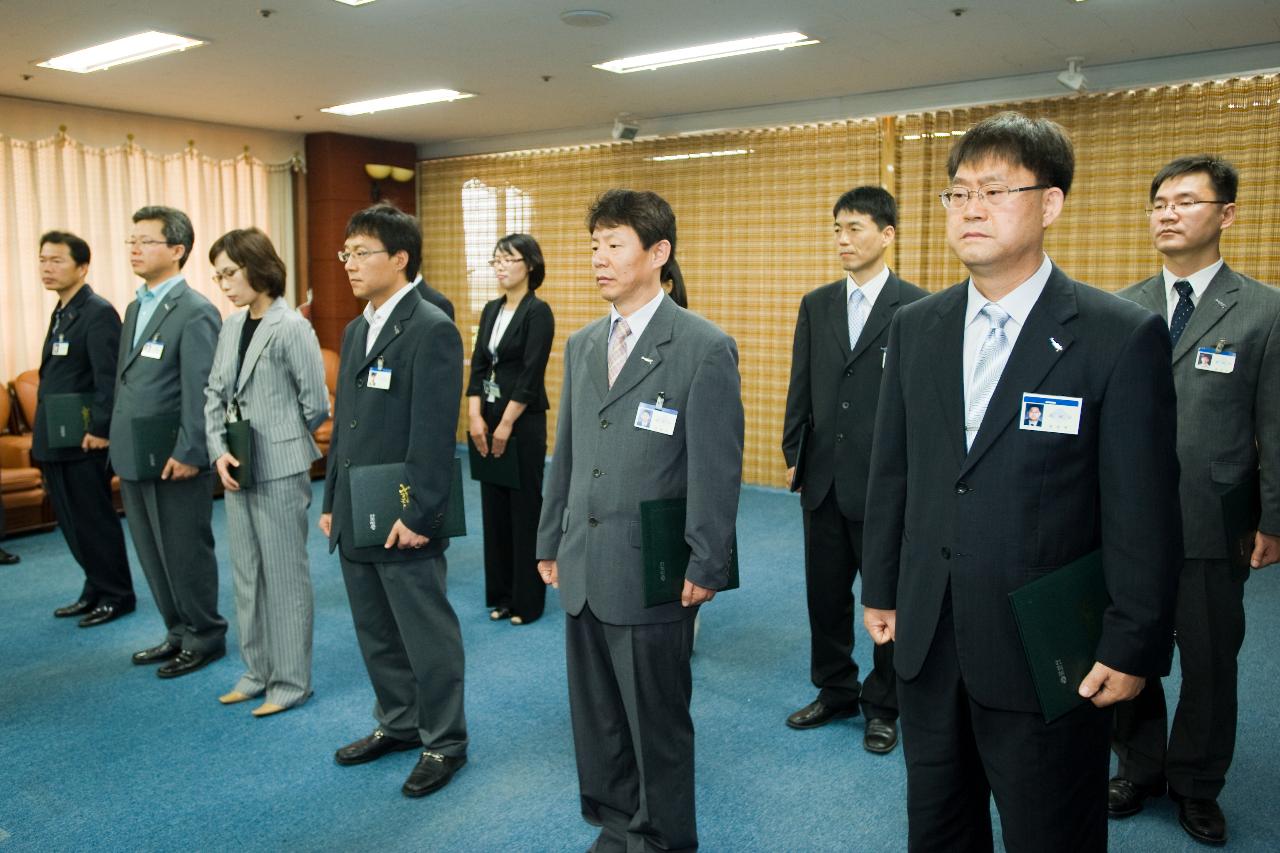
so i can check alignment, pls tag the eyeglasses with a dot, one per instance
(360, 254)
(505, 262)
(1179, 207)
(219, 276)
(134, 241)
(992, 195)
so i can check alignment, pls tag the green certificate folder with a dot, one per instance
(1059, 618)
(379, 493)
(666, 553)
(154, 437)
(501, 471)
(240, 445)
(66, 418)
(1241, 510)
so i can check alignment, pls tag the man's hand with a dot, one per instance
(325, 523)
(1266, 550)
(175, 470)
(501, 434)
(92, 442)
(791, 476)
(479, 432)
(550, 572)
(693, 594)
(1105, 686)
(224, 473)
(402, 537)
(882, 625)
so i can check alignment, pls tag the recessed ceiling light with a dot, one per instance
(395, 102)
(355, 2)
(129, 49)
(719, 50)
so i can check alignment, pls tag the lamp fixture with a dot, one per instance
(382, 171)
(354, 2)
(395, 102)
(1073, 77)
(719, 50)
(128, 49)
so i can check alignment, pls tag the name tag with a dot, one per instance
(1210, 359)
(61, 347)
(656, 419)
(380, 378)
(491, 390)
(152, 349)
(1050, 413)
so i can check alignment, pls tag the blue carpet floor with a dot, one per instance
(98, 754)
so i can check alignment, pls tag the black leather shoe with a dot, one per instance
(155, 654)
(1202, 819)
(104, 613)
(187, 662)
(881, 736)
(78, 608)
(432, 773)
(1124, 798)
(817, 714)
(7, 559)
(372, 748)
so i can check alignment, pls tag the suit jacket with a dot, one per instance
(414, 421)
(1022, 503)
(280, 390)
(187, 324)
(836, 389)
(91, 329)
(603, 466)
(521, 366)
(434, 296)
(1228, 423)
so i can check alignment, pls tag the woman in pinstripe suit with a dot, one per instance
(267, 370)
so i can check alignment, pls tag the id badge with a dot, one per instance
(1050, 413)
(491, 390)
(61, 347)
(380, 378)
(1214, 360)
(152, 349)
(656, 419)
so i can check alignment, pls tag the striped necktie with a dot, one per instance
(617, 348)
(991, 360)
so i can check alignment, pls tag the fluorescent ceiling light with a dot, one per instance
(720, 50)
(395, 102)
(355, 2)
(699, 155)
(129, 49)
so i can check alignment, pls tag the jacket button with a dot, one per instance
(359, 383)
(849, 372)
(839, 436)
(353, 424)
(596, 472)
(604, 424)
(844, 404)
(593, 521)
(962, 488)
(946, 553)
(346, 463)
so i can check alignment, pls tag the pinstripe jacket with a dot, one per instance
(280, 391)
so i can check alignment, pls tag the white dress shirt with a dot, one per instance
(870, 290)
(638, 321)
(378, 318)
(1199, 283)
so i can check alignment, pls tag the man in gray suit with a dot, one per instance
(1228, 434)
(166, 351)
(628, 666)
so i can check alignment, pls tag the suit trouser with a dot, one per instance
(1210, 630)
(1049, 780)
(169, 522)
(267, 526)
(510, 516)
(832, 557)
(629, 693)
(80, 491)
(412, 647)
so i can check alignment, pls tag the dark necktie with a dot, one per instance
(1182, 311)
(57, 319)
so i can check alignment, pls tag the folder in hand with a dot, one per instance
(67, 418)
(1059, 619)
(1241, 511)
(154, 437)
(665, 553)
(240, 445)
(501, 470)
(380, 493)
(802, 456)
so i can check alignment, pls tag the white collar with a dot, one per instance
(1017, 302)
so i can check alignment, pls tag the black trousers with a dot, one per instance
(80, 491)
(511, 578)
(832, 557)
(1210, 630)
(1049, 780)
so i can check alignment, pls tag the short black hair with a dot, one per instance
(645, 212)
(78, 248)
(1223, 176)
(396, 230)
(875, 202)
(253, 251)
(176, 227)
(528, 249)
(1039, 145)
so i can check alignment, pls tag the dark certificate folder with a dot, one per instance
(665, 552)
(1241, 511)
(240, 445)
(1059, 618)
(379, 493)
(154, 438)
(503, 470)
(67, 418)
(797, 479)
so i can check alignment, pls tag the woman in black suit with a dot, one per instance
(508, 408)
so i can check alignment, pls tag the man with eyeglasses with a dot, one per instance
(967, 504)
(399, 382)
(1226, 367)
(166, 351)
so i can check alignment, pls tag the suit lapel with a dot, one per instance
(392, 329)
(947, 329)
(879, 317)
(521, 310)
(1220, 296)
(1150, 295)
(644, 355)
(261, 338)
(838, 319)
(161, 314)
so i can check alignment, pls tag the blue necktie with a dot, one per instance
(1181, 311)
(857, 317)
(986, 373)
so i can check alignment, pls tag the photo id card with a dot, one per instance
(380, 378)
(656, 419)
(152, 349)
(1050, 413)
(1215, 361)
(491, 390)
(61, 347)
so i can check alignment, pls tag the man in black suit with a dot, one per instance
(79, 356)
(399, 381)
(435, 297)
(964, 506)
(1228, 434)
(837, 360)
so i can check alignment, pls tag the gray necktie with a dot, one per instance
(986, 374)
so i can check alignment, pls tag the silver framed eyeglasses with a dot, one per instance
(992, 195)
(1181, 206)
(219, 276)
(361, 255)
(505, 262)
